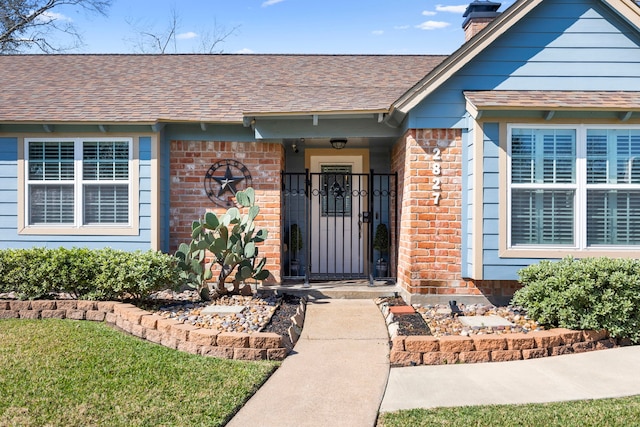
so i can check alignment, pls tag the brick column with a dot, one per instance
(189, 163)
(429, 253)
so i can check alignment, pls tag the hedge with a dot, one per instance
(590, 293)
(101, 274)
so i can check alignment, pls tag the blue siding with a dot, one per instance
(560, 45)
(9, 237)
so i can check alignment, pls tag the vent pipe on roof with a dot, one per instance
(477, 16)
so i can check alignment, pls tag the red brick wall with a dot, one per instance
(429, 257)
(190, 161)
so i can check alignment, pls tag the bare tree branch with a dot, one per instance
(218, 35)
(25, 24)
(149, 40)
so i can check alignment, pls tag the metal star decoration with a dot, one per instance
(228, 182)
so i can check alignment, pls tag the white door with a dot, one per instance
(339, 197)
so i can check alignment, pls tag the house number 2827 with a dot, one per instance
(436, 169)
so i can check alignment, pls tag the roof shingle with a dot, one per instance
(194, 88)
(532, 99)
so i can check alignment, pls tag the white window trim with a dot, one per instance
(78, 228)
(581, 187)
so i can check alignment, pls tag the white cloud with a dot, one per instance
(53, 16)
(377, 32)
(433, 25)
(401, 27)
(245, 50)
(428, 13)
(268, 3)
(186, 36)
(452, 9)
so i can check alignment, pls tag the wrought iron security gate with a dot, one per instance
(331, 219)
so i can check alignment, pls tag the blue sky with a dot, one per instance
(281, 26)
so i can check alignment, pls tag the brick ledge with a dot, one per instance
(428, 350)
(143, 324)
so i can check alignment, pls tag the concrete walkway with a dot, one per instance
(593, 375)
(336, 375)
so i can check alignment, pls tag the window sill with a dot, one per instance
(630, 252)
(81, 231)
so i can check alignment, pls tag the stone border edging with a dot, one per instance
(297, 322)
(157, 329)
(429, 350)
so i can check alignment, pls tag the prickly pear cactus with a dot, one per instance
(231, 242)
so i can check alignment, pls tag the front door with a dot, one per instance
(338, 203)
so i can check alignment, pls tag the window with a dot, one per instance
(336, 190)
(78, 182)
(574, 187)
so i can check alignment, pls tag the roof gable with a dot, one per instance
(626, 9)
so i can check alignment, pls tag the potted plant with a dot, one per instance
(295, 244)
(381, 244)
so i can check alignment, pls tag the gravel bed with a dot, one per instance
(261, 314)
(437, 320)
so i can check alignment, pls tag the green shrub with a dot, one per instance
(591, 293)
(135, 274)
(86, 274)
(27, 273)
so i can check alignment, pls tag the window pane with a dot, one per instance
(542, 217)
(613, 217)
(105, 160)
(106, 204)
(597, 164)
(522, 155)
(51, 204)
(336, 190)
(51, 160)
(628, 156)
(613, 156)
(543, 156)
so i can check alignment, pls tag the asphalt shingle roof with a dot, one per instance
(531, 99)
(194, 88)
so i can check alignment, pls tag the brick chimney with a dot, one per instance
(478, 15)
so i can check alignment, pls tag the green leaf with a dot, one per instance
(245, 272)
(234, 214)
(211, 219)
(220, 245)
(237, 248)
(262, 275)
(196, 231)
(250, 250)
(253, 212)
(231, 259)
(261, 235)
(208, 275)
(261, 264)
(242, 199)
(251, 194)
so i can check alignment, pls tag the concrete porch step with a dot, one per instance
(344, 289)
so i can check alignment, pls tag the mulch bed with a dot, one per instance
(281, 319)
(408, 324)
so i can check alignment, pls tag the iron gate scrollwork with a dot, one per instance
(329, 223)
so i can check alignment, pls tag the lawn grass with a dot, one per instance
(604, 412)
(70, 373)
